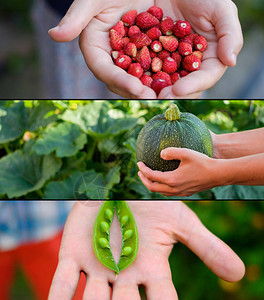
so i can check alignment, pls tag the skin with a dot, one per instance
(216, 20)
(158, 232)
(238, 159)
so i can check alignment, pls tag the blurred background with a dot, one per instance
(20, 75)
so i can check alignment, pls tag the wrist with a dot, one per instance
(223, 173)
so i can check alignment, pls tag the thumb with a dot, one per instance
(76, 19)
(174, 153)
(228, 29)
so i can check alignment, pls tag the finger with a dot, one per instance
(97, 288)
(228, 29)
(216, 255)
(126, 291)
(154, 175)
(161, 289)
(65, 281)
(167, 93)
(210, 72)
(76, 19)
(181, 154)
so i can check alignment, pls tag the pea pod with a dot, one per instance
(101, 235)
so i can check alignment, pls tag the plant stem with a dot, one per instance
(7, 150)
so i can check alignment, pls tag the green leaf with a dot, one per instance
(239, 192)
(66, 139)
(113, 177)
(22, 173)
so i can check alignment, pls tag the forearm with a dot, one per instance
(238, 144)
(248, 170)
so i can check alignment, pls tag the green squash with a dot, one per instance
(172, 129)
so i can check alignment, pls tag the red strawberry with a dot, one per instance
(152, 54)
(146, 20)
(200, 43)
(199, 54)
(140, 40)
(184, 73)
(135, 70)
(177, 57)
(164, 76)
(133, 30)
(123, 62)
(189, 38)
(129, 18)
(116, 41)
(126, 40)
(120, 28)
(143, 58)
(154, 33)
(115, 54)
(156, 12)
(146, 80)
(169, 43)
(166, 25)
(164, 54)
(175, 77)
(181, 28)
(156, 46)
(169, 65)
(130, 49)
(184, 48)
(156, 64)
(158, 84)
(191, 63)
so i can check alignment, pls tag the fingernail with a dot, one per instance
(234, 58)
(54, 29)
(162, 154)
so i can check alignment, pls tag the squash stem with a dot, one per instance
(172, 113)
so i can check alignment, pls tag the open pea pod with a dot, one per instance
(101, 235)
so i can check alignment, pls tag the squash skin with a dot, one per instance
(159, 133)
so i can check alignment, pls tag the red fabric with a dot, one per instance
(38, 262)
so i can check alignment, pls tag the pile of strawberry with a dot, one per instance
(154, 48)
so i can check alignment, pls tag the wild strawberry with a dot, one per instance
(189, 38)
(166, 25)
(120, 28)
(183, 73)
(181, 28)
(158, 84)
(175, 77)
(169, 65)
(154, 33)
(146, 20)
(115, 54)
(162, 75)
(126, 30)
(191, 63)
(140, 40)
(177, 57)
(116, 41)
(169, 43)
(156, 64)
(123, 62)
(133, 30)
(156, 46)
(126, 40)
(152, 54)
(199, 54)
(200, 43)
(135, 70)
(156, 12)
(163, 54)
(184, 48)
(143, 58)
(146, 80)
(129, 18)
(130, 49)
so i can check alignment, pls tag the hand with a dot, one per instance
(216, 20)
(160, 226)
(197, 172)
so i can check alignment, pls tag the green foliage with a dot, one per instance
(66, 149)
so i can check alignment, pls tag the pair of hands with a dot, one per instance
(160, 225)
(216, 20)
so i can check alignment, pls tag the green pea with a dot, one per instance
(128, 234)
(127, 251)
(103, 243)
(104, 226)
(124, 220)
(109, 214)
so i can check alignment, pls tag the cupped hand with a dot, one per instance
(160, 225)
(216, 20)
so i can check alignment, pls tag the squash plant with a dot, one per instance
(76, 149)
